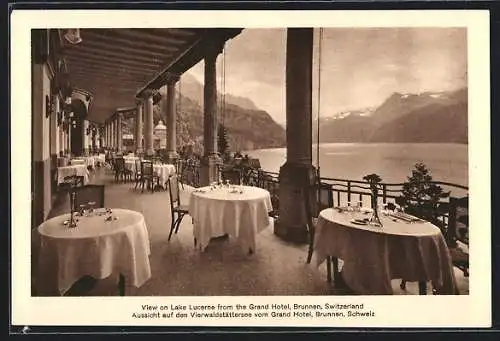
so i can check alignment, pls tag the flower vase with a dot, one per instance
(72, 222)
(374, 219)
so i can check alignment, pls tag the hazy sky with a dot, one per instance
(360, 67)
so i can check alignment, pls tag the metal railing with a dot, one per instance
(346, 191)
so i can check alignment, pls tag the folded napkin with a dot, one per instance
(405, 217)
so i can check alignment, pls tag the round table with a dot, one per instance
(373, 255)
(78, 170)
(223, 210)
(75, 162)
(130, 163)
(95, 247)
(163, 171)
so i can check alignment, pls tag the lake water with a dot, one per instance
(392, 161)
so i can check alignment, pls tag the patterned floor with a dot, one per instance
(276, 268)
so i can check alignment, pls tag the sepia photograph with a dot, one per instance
(209, 163)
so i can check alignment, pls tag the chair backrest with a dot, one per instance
(179, 166)
(88, 193)
(73, 180)
(325, 196)
(119, 163)
(458, 221)
(233, 175)
(138, 165)
(173, 190)
(147, 168)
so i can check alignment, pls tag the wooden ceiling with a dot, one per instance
(116, 65)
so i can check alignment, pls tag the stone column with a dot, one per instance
(54, 131)
(97, 139)
(85, 145)
(108, 136)
(208, 171)
(112, 134)
(138, 128)
(171, 119)
(119, 135)
(68, 138)
(62, 139)
(148, 123)
(297, 174)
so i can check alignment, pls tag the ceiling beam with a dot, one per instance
(105, 83)
(103, 36)
(133, 51)
(116, 57)
(96, 60)
(100, 66)
(141, 34)
(96, 76)
(180, 34)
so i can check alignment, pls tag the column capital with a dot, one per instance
(148, 93)
(172, 78)
(213, 48)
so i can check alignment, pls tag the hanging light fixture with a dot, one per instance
(72, 35)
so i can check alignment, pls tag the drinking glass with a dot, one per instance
(91, 207)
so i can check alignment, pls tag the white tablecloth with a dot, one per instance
(373, 256)
(78, 170)
(75, 162)
(218, 212)
(89, 161)
(101, 158)
(94, 248)
(164, 171)
(130, 163)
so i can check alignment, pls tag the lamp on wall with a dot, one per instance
(72, 35)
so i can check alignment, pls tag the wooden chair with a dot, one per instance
(324, 199)
(179, 169)
(120, 171)
(138, 172)
(72, 181)
(177, 211)
(84, 195)
(457, 235)
(89, 193)
(233, 175)
(147, 175)
(458, 213)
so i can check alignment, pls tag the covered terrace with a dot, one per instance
(86, 81)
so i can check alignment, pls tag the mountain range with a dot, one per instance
(247, 126)
(402, 117)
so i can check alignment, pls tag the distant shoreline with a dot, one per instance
(364, 143)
